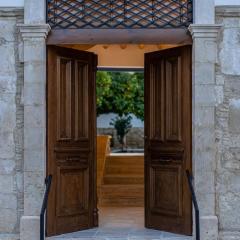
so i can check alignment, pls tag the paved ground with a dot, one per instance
(121, 224)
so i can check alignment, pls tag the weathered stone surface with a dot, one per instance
(230, 51)
(228, 125)
(11, 125)
(8, 220)
(234, 116)
(29, 228)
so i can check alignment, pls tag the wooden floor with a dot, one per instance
(120, 223)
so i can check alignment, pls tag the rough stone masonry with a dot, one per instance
(227, 125)
(11, 124)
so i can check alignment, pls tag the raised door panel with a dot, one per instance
(81, 101)
(173, 99)
(162, 200)
(64, 98)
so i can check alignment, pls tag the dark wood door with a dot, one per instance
(168, 140)
(71, 116)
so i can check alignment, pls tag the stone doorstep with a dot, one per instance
(9, 236)
(120, 234)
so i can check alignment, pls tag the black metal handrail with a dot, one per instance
(195, 204)
(48, 182)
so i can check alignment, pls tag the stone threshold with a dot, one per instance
(9, 236)
(120, 234)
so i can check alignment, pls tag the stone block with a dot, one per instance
(35, 116)
(34, 12)
(35, 46)
(220, 79)
(7, 31)
(8, 201)
(6, 184)
(204, 95)
(7, 115)
(7, 60)
(229, 205)
(10, 236)
(234, 116)
(209, 227)
(205, 50)
(34, 138)
(8, 84)
(219, 95)
(33, 192)
(34, 94)
(204, 117)
(29, 228)
(229, 235)
(230, 52)
(8, 220)
(204, 12)
(7, 166)
(39, 70)
(35, 160)
(7, 146)
(204, 73)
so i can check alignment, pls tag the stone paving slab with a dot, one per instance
(116, 223)
(120, 234)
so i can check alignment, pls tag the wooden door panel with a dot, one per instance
(173, 99)
(72, 191)
(168, 139)
(81, 101)
(64, 96)
(71, 140)
(162, 200)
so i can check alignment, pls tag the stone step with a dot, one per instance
(123, 179)
(121, 195)
(125, 159)
(123, 169)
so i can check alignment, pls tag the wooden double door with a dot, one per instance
(71, 138)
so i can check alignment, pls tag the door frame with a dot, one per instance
(62, 45)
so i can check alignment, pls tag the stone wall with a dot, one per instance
(228, 123)
(11, 124)
(135, 137)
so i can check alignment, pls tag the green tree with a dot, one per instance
(121, 93)
(122, 125)
(104, 82)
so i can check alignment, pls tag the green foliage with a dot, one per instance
(122, 125)
(121, 93)
(104, 82)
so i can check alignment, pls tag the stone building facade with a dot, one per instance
(227, 123)
(216, 114)
(11, 123)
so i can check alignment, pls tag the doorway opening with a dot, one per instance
(96, 181)
(120, 147)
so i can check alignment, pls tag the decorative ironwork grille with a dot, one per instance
(130, 14)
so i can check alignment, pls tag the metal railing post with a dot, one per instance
(195, 204)
(48, 182)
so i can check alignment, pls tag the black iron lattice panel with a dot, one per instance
(133, 14)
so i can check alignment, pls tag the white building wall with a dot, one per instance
(11, 3)
(103, 121)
